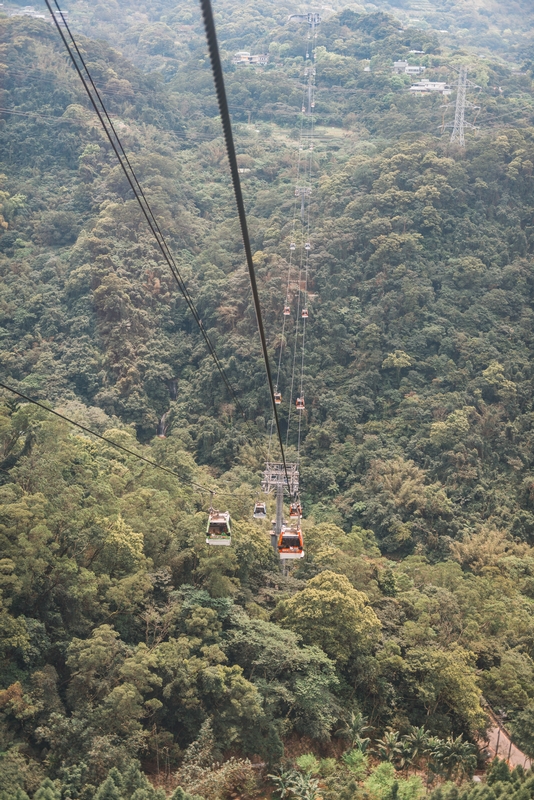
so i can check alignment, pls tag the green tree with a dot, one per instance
(330, 613)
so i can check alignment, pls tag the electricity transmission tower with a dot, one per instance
(458, 131)
(303, 192)
(459, 125)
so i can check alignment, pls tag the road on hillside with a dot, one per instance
(501, 745)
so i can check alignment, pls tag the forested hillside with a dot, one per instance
(128, 644)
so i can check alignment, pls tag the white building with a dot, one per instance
(29, 11)
(403, 68)
(245, 57)
(430, 87)
(25, 11)
(412, 69)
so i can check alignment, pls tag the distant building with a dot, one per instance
(403, 68)
(30, 11)
(430, 87)
(25, 11)
(413, 69)
(61, 18)
(245, 57)
(313, 18)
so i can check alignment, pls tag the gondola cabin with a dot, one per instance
(304, 313)
(287, 311)
(290, 543)
(278, 398)
(260, 511)
(219, 531)
(292, 246)
(300, 404)
(295, 510)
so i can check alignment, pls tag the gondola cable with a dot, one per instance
(310, 136)
(295, 346)
(132, 180)
(304, 250)
(289, 273)
(213, 47)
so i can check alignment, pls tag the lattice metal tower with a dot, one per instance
(458, 131)
(313, 18)
(274, 477)
(303, 192)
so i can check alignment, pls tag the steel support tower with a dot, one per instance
(458, 131)
(460, 124)
(274, 479)
(313, 18)
(303, 192)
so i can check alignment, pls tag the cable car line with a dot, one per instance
(295, 346)
(137, 190)
(292, 248)
(215, 58)
(305, 263)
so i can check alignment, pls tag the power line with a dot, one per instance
(213, 47)
(62, 118)
(135, 186)
(193, 484)
(106, 439)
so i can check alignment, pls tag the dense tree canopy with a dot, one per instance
(128, 647)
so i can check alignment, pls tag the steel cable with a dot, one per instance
(116, 445)
(138, 192)
(215, 58)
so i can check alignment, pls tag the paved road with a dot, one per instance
(501, 745)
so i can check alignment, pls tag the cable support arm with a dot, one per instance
(213, 47)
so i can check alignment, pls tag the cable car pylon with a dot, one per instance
(286, 539)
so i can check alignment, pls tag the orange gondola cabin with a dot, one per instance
(290, 543)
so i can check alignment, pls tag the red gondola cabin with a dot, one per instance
(290, 543)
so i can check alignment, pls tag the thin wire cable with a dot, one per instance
(297, 323)
(304, 253)
(213, 47)
(311, 130)
(62, 118)
(203, 489)
(110, 441)
(138, 192)
(289, 271)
